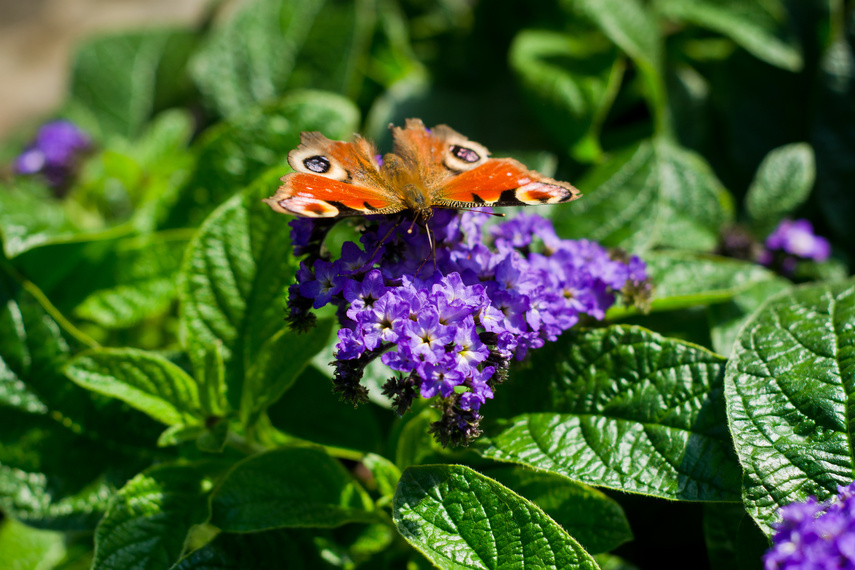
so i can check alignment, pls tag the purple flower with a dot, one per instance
(54, 152)
(450, 328)
(814, 535)
(796, 237)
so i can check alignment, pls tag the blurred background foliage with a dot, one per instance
(678, 119)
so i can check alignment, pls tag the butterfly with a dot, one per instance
(427, 168)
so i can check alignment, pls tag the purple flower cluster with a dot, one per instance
(793, 240)
(448, 322)
(54, 152)
(814, 535)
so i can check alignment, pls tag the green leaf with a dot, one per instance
(26, 548)
(255, 550)
(653, 194)
(726, 319)
(759, 26)
(235, 153)
(288, 487)
(386, 474)
(722, 522)
(144, 380)
(782, 183)
(570, 82)
(460, 519)
(634, 29)
(148, 520)
(231, 285)
(589, 516)
(275, 45)
(277, 365)
(111, 278)
(29, 215)
(685, 279)
(787, 388)
(623, 408)
(115, 78)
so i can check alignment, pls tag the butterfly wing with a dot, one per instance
(333, 179)
(459, 173)
(502, 182)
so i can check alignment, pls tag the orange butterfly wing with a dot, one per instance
(333, 179)
(502, 182)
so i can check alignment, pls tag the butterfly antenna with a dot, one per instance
(432, 250)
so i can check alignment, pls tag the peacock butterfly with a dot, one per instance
(428, 168)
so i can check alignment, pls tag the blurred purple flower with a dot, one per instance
(54, 153)
(450, 330)
(793, 240)
(814, 535)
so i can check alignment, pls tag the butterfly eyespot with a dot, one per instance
(465, 154)
(317, 164)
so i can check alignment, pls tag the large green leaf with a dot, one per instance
(757, 25)
(148, 520)
(685, 279)
(653, 194)
(232, 283)
(623, 408)
(115, 78)
(788, 390)
(783, 182)
(234, 153)
(112, 278)
(145, 380)
(571, 82)
(289, 487)
(460, 519)
(277, 366)
(275, 45)
(29, 215)
(589, 516)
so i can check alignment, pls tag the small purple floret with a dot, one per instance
(796, 237)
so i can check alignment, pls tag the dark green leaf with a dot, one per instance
(277, 366)
(288, 487)
(654, 194)
(232, 283)
(144, 380)
(756, 25)
(328, 420)
(589, 516)
(386, 474)
(275, 45)
(783, 182)
(148, 520)
(787, 395)
(255, 551)
(626, 409)
(727, 318)
(571, 82)
(634, 30)
(722, 524)
(235, 153)
(461, 519)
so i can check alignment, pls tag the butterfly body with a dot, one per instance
(436, 168)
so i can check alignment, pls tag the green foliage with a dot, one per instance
(156, 412)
